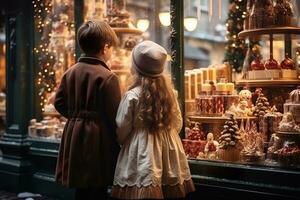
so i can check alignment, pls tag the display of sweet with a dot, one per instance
(215, 105)
(246, 95)
(257, 64)
(274, 144)
(195, 133)
(271, 123)
(118, 18)
(32, 127)
(212, 74)
(221, 88)
(230, 136)
(244, 106)
(49, 127)
(262, 106)
(273, 69)
(253, 150)
(193, 148)
(287, 63)
(211, 148)
(288, 68)
(243, 110)
(293, 104)
(240, 110)
(271, 63)
(223, 71)
(295, 95)
(283, 13)
(289, 154)
(269, 16)
(49, 108)
(262, 14)
(257, 69)
(288, 123)
(195, 141)
(204, 105)
(218, 105)
(230, 141)
(193, 84)
(206, 88)
(230, 88)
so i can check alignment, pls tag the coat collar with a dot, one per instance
(93, 61)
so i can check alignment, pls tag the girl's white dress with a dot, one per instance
(152, 166)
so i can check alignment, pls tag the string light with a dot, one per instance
(41, 8)
(47, 57)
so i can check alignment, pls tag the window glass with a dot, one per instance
(54, 52)
(236, 110)
(133, 22)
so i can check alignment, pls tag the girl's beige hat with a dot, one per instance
(149, 58)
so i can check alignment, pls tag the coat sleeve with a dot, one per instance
(177, 123)
(124, 117)
(60, 101)
(112, 97)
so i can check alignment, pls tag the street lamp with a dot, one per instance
(190, 23)
(143, 24)
(165, 18)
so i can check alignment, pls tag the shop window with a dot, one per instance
(243, 105)
(54, 52)
(133, 21)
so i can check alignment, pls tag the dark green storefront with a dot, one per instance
(28, 164)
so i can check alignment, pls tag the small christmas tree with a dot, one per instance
(230, 136)
(262, 106)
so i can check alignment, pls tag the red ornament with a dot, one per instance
(256, 64)
(287, 63)
(271, 63)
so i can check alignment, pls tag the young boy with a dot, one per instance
(88, 96)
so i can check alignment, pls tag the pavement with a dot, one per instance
(4, 195)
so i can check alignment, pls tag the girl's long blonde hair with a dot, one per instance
(156, 101)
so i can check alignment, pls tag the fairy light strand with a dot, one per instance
(45, 57)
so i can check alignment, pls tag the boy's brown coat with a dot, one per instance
(88, 96)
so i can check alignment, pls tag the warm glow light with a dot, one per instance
(165, 18)
(190, 23)
(143, 24)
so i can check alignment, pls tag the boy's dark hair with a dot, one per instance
(92, 37)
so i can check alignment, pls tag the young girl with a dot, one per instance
(152, 163)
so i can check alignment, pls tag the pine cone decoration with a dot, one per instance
(262, 106)
(230, 135)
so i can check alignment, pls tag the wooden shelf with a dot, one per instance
(128, 31)
(268, 31)
(267, 83)
(211, 120)
(292, 134)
